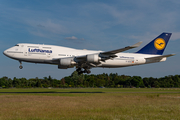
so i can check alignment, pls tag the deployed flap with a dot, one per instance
(160, 57)
(122, 49)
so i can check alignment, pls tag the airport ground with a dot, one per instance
(90, 104)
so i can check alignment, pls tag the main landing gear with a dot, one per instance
(80, 71)
(20, 65)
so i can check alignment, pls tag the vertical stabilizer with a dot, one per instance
(156, 46)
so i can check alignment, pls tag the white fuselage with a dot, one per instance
(38, 53)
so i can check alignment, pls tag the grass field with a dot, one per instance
(90, 104)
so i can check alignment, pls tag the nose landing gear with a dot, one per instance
(20, 65)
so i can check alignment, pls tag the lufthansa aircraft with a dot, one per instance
(84, 60)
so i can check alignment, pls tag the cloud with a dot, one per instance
(39, 25)
(73, 38)
(147, 16)
(48, 28)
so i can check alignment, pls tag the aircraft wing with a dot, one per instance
(92, 59)
(160, 57)
(107, 55)
(112, 52)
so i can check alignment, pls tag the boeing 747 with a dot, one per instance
(84, 60)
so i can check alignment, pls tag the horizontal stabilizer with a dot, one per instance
(160, 57)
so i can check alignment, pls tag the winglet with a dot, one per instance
(137, 44)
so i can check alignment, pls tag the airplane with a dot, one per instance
(84, 60)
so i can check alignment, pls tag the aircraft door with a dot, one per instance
(48, 55)
(139, 61)
(25, 51)
(136, 61)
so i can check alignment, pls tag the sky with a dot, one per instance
(93, 25)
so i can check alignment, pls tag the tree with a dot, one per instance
(78, 79)
(16, 82)
(100, 82)
(63, 81)
(3, 82)
(137, 81)
(176, 80)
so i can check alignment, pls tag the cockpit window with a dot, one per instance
(16, 45)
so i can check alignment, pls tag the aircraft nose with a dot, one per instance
(9, 52)
(5, 52)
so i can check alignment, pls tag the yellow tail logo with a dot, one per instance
(159, 44)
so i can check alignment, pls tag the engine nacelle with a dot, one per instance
(66, 62)
(94, 58)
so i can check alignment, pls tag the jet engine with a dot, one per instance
(65, 63)
(93, 58)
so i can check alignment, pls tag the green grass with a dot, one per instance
(111, 104)
(90, 90)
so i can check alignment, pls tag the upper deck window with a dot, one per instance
(16, 45)
(33, 46)
(47, 47)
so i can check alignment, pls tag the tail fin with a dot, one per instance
(156, 46)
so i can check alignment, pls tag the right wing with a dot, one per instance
(109, 54)
(91, 60)
(112, 52)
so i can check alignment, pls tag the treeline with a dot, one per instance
(101, 80)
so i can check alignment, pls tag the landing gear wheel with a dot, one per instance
(79, 73)
(20, 67)
(87, 71)
(78, 70)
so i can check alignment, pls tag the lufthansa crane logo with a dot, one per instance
(159, 44)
